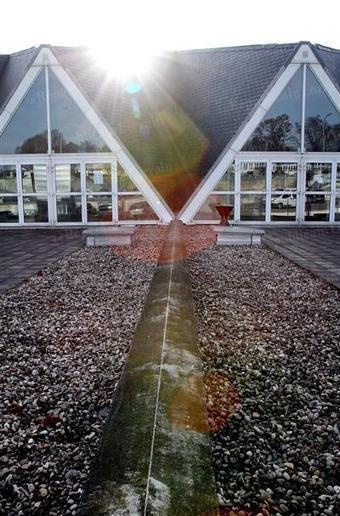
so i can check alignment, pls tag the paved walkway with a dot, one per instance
(315, 249)
(25, 252)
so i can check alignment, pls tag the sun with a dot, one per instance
(125, 61)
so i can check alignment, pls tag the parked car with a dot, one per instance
(284, 200)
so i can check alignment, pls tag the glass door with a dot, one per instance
(34, 187)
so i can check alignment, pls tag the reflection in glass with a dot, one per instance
(98, 177)
(253, 207)
(35, 209)
(208, 210)
(69, 208)
(71, 131)
(8, 179)
(317, 207)
(67, 177)
(322, 124)
(9, 209)
(26, 132)
(283, 206)
(284, 176)
(281, 128)
(338, 176)
(337, 208)
(34, 178)
(318, 177)
(134, 207)
(124, 182)
(253, 176)
(99, 208)
(227, 183)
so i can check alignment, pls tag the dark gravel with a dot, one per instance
(64, 339)
(269, 335)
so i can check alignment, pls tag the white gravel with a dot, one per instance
(269, 335)
(64, 337)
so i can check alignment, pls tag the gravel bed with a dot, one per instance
(64, 337)
(269, 336)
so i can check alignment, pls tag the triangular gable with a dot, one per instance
(46, 57)
(303, 55)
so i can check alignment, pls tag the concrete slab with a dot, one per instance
(155, 457)
(237, 235)
(109, 235)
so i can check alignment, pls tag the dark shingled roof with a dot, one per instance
(186, 111)
(12, 73)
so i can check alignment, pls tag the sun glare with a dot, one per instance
(124, 62)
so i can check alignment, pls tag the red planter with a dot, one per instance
(224, 211)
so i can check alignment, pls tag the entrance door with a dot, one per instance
(35, 189)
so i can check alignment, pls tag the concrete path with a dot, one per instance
(315, 249)
(156, 456)
(24, 252)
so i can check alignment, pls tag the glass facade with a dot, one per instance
(281, 128)
(134, 207)
(208, 210)
(26, 132)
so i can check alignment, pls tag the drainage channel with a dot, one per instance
(155, 457)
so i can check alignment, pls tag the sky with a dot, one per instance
(119, 26)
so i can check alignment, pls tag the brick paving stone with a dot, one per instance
(23, 252)
(315, 249)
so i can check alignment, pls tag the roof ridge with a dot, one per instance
(238, 48)
(329, 49)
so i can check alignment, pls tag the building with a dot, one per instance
(257, 127)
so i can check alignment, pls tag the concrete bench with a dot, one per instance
(237, 235)
(109, 235)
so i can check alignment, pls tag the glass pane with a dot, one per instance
(134, 207)
(98, 177)
(8, 179)
(34, 178)
(9, 209)
(71, 131)
(338, 176)
(208, 210)
(317, 207)
(283, 206)
(281, 128)
(322, 125)
(35, 209)
(69, 208)
(284, 176)
(124, 182)
(253, 207)
(227, 183)
(99, 208)
(337, 208)
(253, 176)
(318, 176)
(26, 132)
(67, 178)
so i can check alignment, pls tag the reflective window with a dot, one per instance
(322, 124)
(34, 178)
(208, 210)
(227, 183)
(283, 206)
(281, 128)
(337, 208)
(284, 176)
(71, 131)
(26, 132)
(124, 182)
(253, 176)
(253, 207)
(8, 179)
(317, 207)
(35, 208)
(9, 209)
(98, 177)
(67, 177)
(318, 176)
(134, 207)
(69, 208)
(99, 208)
(338, 176)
